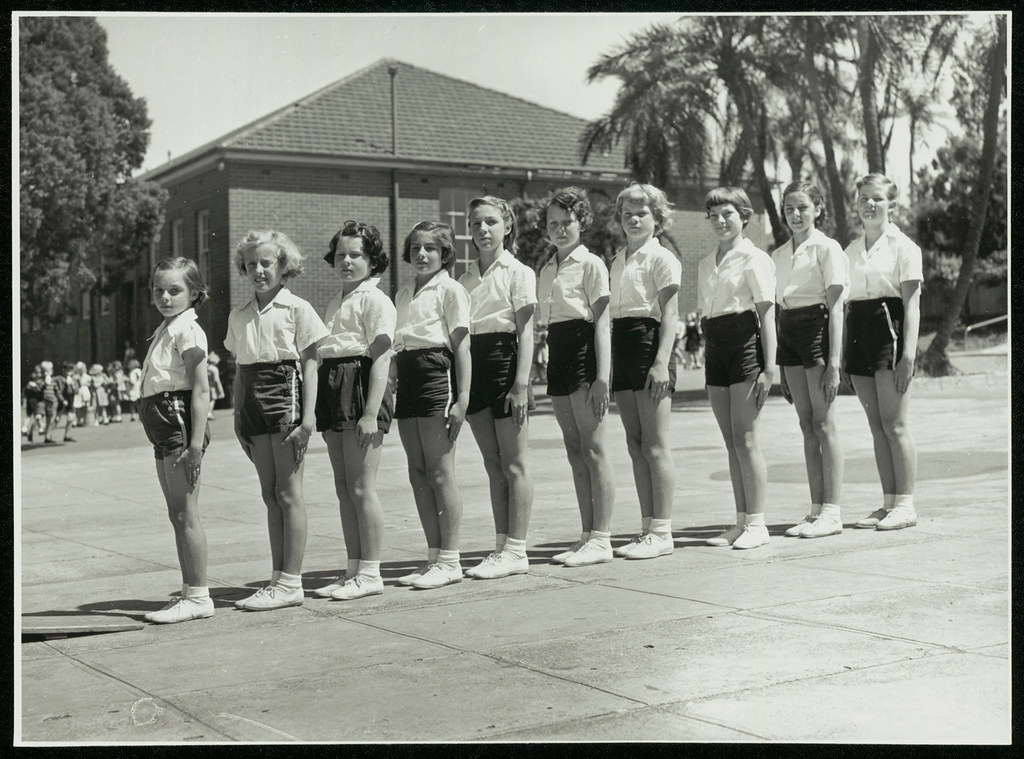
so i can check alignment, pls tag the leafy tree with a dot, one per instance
(81, 134)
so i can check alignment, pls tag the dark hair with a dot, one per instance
(373, 246)
(507, 216)
(572, 200)
(811, 190)
(189, 273)
(733, 196)
(440, 233)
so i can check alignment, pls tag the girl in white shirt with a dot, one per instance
(882, 326)
(273, 336)
(503, 294)
(353, 401)
(811, 274)
(175, 397)
(644, 310)
(736, 293)
(573, 300)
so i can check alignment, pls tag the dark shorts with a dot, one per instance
(271, 398)
(803, 336)
(874, 336)
(494, 372)
(732, 349)
(634, 348)
(342, 384)
(426, 383)
(167, 420)
(572, 361)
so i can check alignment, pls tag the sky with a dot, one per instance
(205, 75)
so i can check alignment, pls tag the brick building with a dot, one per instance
(392, 144)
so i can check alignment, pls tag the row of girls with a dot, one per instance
(449, 351)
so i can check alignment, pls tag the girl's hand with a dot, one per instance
(658, 382)
(456, 416)
(519, 400)
(366, 431)
(243, 440)
(904, 374)
(784, 387)
(299, 438)
(830, 383)
(191, 459)
(597, 397)
(763, 386)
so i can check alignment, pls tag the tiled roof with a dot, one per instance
(440, 119)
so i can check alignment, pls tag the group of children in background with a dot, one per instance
(449, 351)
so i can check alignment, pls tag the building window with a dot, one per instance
(203, 244)
(154, 248)
(177, 227)
(86, 309)
(104, 305)
(453, 212)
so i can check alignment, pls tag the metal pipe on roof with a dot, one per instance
(393, 72)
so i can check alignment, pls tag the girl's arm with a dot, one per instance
(657, 377)
(518, 397)
(763, 385)
(463, 377)
(911, 292)
(299, 437)
(835, 303)
(195, 371)
(380, 353)
(598, 395)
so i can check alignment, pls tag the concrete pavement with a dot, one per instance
(899, 637)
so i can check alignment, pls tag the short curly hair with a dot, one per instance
(734, 196)
(810, 190)
(373, 245)
(440, 233)
(648, 194)
(288, 253)
(190, 274)
(572, 200)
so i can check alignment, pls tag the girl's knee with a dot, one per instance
(513, 469)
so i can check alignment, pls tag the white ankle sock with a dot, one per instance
(515, 547)
(905, 501)
(450, 558)
(369, 568)
(290, 582)
(195, 592)
(662, 527)
(499, 541)
(602, 539)
(755, 520)
(830, 510)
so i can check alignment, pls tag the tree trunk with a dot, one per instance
(868, 97)
(836, 189)
(935, 362)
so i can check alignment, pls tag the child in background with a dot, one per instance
(68, 389)
(100, 398)
(693, 341)
(882, 326)
(216, 388)
(644, 282)
(173, 413)
(433, 370)
(353, 402)
(51, 404)
(134, 380)
(116, 390)
(34, 409)
(83, 400)
(273, 336)
(573, 299)
(811, 274)
(736, 292)
(503, 294)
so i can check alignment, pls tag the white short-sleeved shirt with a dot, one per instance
(496, 295)
(803, 275)
(745, 277)
(279, 332)
(877, 273)
(636, 280)
(163, 371)
(355, 320)
(427, 318)
(569, 289)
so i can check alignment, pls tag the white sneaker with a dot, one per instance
(438, 575)
(502, 565)
(359, 587)
(753, 536)
(589, 553)
(727, 538)
(823, 526)
(182, 610)
(485, 564)
(335, 584)
(241, 603)
(559, 558)
(898, 518)
(410, 578)
(275, 597)
(625, 548)
(797, 530)
(871, 521)
(652, 546)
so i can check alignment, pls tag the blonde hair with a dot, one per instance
(288, 253)
(507, 215)
(651, 196)
(882, 181)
